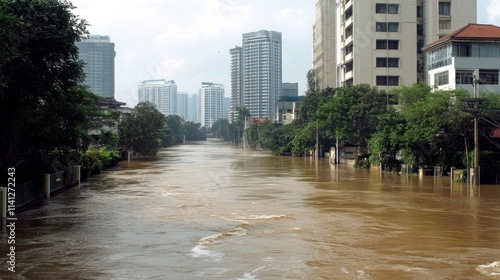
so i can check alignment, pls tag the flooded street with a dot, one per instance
(208, 210)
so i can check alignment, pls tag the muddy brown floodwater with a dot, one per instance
(208, 210)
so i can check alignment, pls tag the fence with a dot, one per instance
(30, 193)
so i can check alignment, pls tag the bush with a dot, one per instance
(96, 160)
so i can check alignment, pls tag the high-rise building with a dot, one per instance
(381, 43)
(290, 89)
(161, 93)
(237, 98)
(192, 108)
(258, 84)
(98, 54)
(182, 105)
(210, 104)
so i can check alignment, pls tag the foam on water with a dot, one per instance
(200, 251)
(491, 269)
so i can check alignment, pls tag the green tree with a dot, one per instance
(351, 114)
(221, 129)
(142, 130)
(194, 131)
(175, 132)
(434, 122)
(42, 105)
(387, 140)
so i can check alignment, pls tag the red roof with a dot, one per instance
(496, 133)
(471, 31)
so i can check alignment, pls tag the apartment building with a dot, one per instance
(380, 42)
(161, 93)
(464, 57)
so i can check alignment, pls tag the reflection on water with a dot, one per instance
(212, 211)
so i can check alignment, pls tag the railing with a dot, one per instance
(30, 193)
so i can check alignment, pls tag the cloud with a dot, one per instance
(494, 12)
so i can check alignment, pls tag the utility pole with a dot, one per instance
(475, 171)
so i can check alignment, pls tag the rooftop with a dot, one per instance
(470, 32)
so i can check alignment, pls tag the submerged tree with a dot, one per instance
(142, 130)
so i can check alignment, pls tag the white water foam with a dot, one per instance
(200, 251)
(251, 275)
(262, 217)
(491, 269)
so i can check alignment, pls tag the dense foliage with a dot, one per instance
(43, 105)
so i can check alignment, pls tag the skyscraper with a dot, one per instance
(381, 43)
(161, 93)
(98, 54)
(237, 98)
(258, 85)
(210, 104)
(182, 105)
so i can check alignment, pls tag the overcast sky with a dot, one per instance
(188, 41)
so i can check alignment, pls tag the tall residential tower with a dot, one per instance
(210, 104)
(161, 93)
(379, 42)
(256, 73)
(98, 54)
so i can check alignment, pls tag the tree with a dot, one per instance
(194, 131)
(42, 105)
(351, 114)
(142, 129)
(312, 87)
(175, 130)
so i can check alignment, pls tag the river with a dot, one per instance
(208, 210)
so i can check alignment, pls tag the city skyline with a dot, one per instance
(150, 45)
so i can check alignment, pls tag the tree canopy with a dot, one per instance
(42, 103)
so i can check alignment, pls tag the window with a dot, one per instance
(386, 8)
(393, 26)
(392, 8)
(393, 44)
(381, 45)
(349, 49)
(420, 29)
(348, 32)
(464, 77)
(387, 62)
(420, 11)
(381, 8)
(488, 77)
(348, 13)
(381, 26)
(444, 8)
(445, 24)
(441, 78)
(393, 62)
(387, 44)
(387, 80)
(381, 62)
(349, 67)
(420, 46)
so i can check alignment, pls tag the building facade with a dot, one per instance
(380, 43)
(161, 93)
(468, 55)
(237, 98)
(98, 54)
(210, 104)
(182, 105)
(290, 89)
(258, 85)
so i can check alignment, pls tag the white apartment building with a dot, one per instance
(161, 93)
(471, 53)
(380, 42)
(210, 104)
(256, 73)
